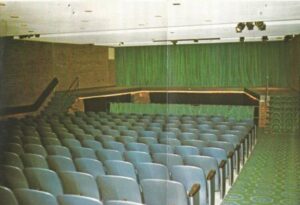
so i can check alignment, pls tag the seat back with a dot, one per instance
(89, 166)
(34, 160)
(152, 171)
(77, 200)
(168, 159)
(115, 146)
(208, 137)
(207, 163)
(44, 180)
(187, 136)
(35, 149)
(12, 159)
(34, 197)
(190, 175)
(7, 196)
(161, 148)
(120, 168)
(135, 146)
(147, 140)
(71, 143)
(79, 184)
(14, 177)
(93, 144)
(163, 192)
(119, 188)
(136, 157)
(83, 152)
(108, 154)
(58, 150)
(172, 142)
(60, 163)
(186, 150)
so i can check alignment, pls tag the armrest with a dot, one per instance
(211, 174)
(222, 164)
(194, 190)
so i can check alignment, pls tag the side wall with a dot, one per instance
(26, 68)
(295, 74)
(206, 65)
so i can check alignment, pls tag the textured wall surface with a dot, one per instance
(26, 68)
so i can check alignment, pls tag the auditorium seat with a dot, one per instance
(34, 197)
(115, 146)
(93, 144)
(7, 196)
(14, 147)
(161, 148)
(69, 199)
(89, 166)
(188, 136)
(131, 133)
(104, 138)
(79, 183)
(50, 141)
(34, 160)
(58, 150)
(186, 150)
(119, 188)
(163, 192)
(136, 157)
(152, 171)
(108, 154)
(135, 146)
(208, 137)
(35, 149)
(60, 163)
(209, 165)
(12, 159)
(168, 159)
(31, 140)
(196, 143)
(167, 134)
(13, 177)
(82, 152)
(189, 176)
(44, 180)
(147, 140)
(148, 133)
(120, 168)
(71, 143)
(126, 139)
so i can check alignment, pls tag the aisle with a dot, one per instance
(271, 175)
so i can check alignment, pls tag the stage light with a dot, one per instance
(242, 39)
(264, 38)
(240, 27)
(250, 25)
(260, 25)
(174, 43)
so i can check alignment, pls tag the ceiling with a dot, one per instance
(144, 22)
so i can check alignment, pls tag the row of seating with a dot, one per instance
(75, 139)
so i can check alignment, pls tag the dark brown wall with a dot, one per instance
(26, 68)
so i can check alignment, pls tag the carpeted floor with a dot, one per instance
(271, 175)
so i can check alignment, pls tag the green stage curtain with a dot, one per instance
(205, 65)
(237, 112)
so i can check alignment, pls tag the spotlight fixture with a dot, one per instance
(121, 43)
(240, 27)
(250, 25)
(242, 39)
(196, 40)
(264, 38)
(260, 25)
(288, 38)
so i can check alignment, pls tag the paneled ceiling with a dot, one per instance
(145, 22)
